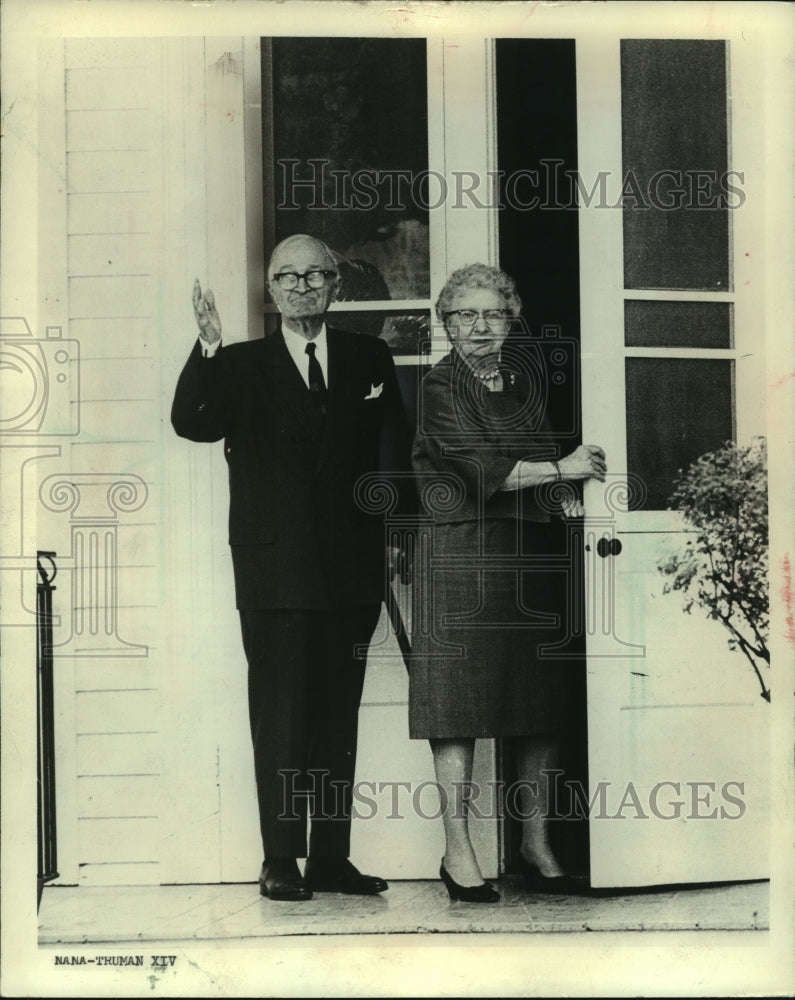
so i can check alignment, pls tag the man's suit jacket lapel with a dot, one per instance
(290, 397)
(340, 365)
(287, 377)
(295, 395)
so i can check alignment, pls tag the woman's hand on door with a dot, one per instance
(585, 462)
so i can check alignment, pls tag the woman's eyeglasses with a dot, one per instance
(288, 280)
(493, 317)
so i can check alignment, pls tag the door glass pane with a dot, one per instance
(407, 333)
(346, 134)
(678, 324)
(677, 409)
(675, 160)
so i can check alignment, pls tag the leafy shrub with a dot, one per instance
(724, 567)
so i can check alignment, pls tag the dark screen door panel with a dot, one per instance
(677, 409)
(675, 164)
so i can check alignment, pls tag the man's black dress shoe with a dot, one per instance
(281, 879)
(558, 885)
(339, 875)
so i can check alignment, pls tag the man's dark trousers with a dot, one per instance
(303, 671)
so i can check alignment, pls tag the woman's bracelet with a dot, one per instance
(558, 475)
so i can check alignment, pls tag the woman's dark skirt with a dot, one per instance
(488, 598)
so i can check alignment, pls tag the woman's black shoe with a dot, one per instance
(485, 893)
(558, 885)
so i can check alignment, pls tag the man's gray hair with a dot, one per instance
(333, 257)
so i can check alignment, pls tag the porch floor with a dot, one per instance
(132, 914)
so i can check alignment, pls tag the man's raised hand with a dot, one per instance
(206, 314)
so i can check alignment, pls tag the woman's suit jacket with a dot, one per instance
(462, 454)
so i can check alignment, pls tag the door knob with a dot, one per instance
(608, 547)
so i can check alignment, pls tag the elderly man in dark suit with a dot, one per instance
(305, 414)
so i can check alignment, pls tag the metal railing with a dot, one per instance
(45, 728)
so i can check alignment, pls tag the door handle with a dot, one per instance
(608, 547)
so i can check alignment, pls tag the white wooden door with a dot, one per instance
(678, 734)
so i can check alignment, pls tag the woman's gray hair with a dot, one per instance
(479, 276)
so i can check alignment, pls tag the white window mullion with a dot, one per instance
(436, 164)
(462, 152)
(601, 255)
(469, 150)
(746, 155)
(255, 229)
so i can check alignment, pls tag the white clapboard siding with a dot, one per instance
(140, 543)
(101, 129)
(99, 53)
(125, 420)
(111, 298)
(140, 592)
(102, 256)
(118, 753)
(123, 171)
(106, 212)
(106, 254)
(107, 87)
(118, 377)
(84, 457)
(120, 337)
(116, 675)
(112, 138)
(100, 712)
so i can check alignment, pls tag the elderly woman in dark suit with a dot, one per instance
(483, 610)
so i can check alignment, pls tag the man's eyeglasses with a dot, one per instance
(494, 317)
(288, 280)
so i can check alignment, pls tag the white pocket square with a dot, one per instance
(375, 391)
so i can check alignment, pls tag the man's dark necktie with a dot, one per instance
(317, 384)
